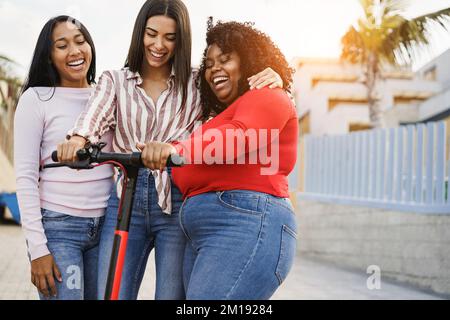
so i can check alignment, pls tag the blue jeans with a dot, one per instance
(241, 244)
(149, 228)
(73, 242)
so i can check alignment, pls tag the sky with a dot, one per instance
(301, 28)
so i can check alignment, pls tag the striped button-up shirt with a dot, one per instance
(121, 105)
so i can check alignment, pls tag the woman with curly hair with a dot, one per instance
(237, 216)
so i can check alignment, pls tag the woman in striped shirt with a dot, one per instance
(154, 98)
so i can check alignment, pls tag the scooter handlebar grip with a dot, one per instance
(175, 160)
(55, 156)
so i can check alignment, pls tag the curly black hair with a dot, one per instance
(256, 52)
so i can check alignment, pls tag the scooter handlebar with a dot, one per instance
(134, 158)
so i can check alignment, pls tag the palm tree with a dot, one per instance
(13, 83)
(385, 37)
(9, 94)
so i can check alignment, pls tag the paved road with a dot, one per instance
(308, 280)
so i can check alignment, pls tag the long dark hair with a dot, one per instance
(256, 52)
(181, 63)
(42, 71)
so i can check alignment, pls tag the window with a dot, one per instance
(333, 102)
(304, 124)
(430, 74)
(358, 126)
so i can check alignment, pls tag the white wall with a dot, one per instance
(408, 247)
(435, 105)
(442, 64)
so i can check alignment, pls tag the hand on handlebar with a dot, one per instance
(155, 154)
(67, 151)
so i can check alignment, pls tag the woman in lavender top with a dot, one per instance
(61, 209)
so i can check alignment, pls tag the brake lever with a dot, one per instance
(53, 165)
(75, 165)
(85, 157)
(78, 165)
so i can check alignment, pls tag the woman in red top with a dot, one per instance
(236, 214)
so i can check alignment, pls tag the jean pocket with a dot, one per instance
(48, 215)
(243, 201)
(289, 204)
(287, 253)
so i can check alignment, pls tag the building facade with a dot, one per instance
(331, 97)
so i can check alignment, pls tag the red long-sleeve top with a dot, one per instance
(251, 145)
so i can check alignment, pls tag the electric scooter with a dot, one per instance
(91, 157)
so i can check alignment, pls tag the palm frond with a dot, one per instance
(367, 6)
(393, 7)
(413, 36)
(353, 47)
(442, 17)
(6, 65)
(5, 58)
(395, 39)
